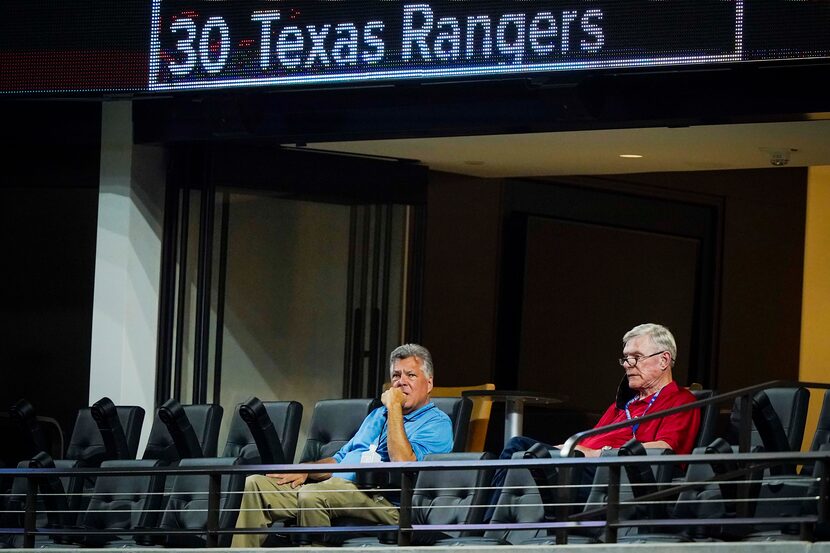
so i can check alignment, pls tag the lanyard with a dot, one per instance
(628, 413)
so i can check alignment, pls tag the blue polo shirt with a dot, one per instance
(428, 430)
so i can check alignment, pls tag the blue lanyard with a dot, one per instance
(628, 413)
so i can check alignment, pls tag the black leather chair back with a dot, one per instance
(285, 418)
(122, 503)
(519, 501)
(105, 414)
(441, 497)
(781, 412)
(204, 419)
(87, 445)
(24, 416)
(708, 418)
(649, 475)
(450, 496)
(187, 506)
(822, 434)
(459, 410)
(59, 501)
(59, 513)
(333, 423)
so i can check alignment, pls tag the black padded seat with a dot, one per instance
(204, 419)
(708, 418)
(822, 433)
(821, 437)
(87, 445)
(787, 495)
(87, 448)
(519, 502)
(333, 423)
(450, 496)
(706, 501)
(443, 497)
(285, 418)
(459, 410)
(187, 506)
(58, 505)
(27, 434)
(122, 503)
(783, 413)
(635, 481)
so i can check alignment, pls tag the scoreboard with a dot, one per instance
(172, 45)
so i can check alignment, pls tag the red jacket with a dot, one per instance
(678, 430)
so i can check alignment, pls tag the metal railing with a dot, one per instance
(745, 428)
(608, 517)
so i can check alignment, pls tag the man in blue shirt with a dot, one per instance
(406, 428)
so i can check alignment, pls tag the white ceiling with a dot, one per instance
(712, 147)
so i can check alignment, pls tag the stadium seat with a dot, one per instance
(86, 444)
(122, 504)
(184, 431)
(187, 506)
(708, 418)
(778, 419)
(264, 432)
(443, 497)
(333, 423)
(458, 409)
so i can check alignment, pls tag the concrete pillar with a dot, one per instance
(127, 264)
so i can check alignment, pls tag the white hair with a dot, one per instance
(660, 336)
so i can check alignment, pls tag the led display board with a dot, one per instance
(198, 44)
(206, 44)
(170, 45)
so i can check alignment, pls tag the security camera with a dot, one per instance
(778, 157)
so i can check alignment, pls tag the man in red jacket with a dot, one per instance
(649, 353)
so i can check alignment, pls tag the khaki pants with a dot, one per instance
(313, 504)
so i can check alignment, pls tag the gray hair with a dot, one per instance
(412, 350)
(659, 334)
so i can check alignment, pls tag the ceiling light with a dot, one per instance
(631, 156)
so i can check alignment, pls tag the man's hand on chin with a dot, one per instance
(393, 396)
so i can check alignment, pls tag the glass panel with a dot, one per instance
(285, 304)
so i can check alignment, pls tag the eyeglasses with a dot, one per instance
(633, 360)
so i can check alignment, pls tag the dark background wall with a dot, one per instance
(49, 194)
(461, 271)
(750, 333)
(763, 265)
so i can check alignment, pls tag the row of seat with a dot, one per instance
(106, 436)
(720, 491)
(713, 490)
(179, 501)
